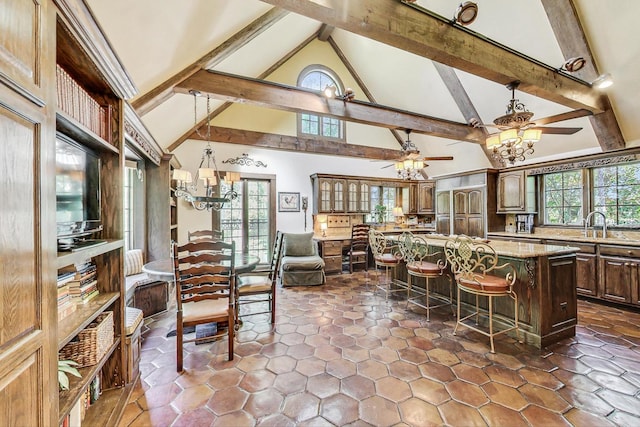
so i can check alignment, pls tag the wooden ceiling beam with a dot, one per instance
(229, 87)
(296, 144)
(569, 33)
(226, 105)
(410, 27)
(164, 90)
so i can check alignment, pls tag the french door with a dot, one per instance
(249, 220)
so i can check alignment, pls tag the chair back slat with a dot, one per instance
(471, 259)
(205, 234)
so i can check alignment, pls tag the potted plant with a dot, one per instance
(380, 213)
(66, 367)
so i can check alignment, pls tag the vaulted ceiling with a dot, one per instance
(412, 69)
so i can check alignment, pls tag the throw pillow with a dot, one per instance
(299, 244)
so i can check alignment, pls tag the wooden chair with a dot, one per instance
(359, 249)
(421, 263)
(387, 256)
(471, 261)
(205, 234)
(204, 274)
(260, 283)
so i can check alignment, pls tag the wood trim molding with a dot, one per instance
(230, 87)
(80, 22)
(140, 136)
(415, 29)
(164, 90)
(584, 164)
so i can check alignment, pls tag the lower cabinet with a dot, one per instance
(331, 252)
(587, 274)
(619, 279)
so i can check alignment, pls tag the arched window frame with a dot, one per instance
(330, 74)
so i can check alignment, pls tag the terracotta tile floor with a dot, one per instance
(340, 355)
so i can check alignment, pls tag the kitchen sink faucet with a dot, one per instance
(604, 224)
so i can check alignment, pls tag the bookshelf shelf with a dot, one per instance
(77, 131)
(68, 398)
(68, 258)
(85, 313)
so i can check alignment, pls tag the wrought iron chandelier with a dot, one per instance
(517, 136)
(411, 166)
(207, 172)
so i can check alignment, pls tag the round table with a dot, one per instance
(162, 269)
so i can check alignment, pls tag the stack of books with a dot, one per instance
(66, 305)
(84, 286)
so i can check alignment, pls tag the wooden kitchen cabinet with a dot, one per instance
(443, 212)
(619, 279)
(331, 253)
(516, 192)
(468, 212)
(358, 196)
(426, 197)
(330, 195)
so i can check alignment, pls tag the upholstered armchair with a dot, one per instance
(301, 263)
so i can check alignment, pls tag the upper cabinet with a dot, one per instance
(516, 192)
(330, 195)
(426, 197)
(358, 196)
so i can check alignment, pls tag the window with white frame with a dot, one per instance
(318, 77)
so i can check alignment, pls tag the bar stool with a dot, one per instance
(421, 263)
(470, 261)
(385, 256)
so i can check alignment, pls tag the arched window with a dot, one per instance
(318, 77)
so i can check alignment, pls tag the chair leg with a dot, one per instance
(491, 323)
(426, 289)
(179, 341)
(232, 334)
(458, 318)
(273, 306)
(408, 289)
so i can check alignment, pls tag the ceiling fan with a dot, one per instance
(518, 117)
(411, 153)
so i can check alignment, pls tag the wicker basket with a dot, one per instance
(88, 347)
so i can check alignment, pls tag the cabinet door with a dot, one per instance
(616, 275)
(460, 203)
(475, 226)
(353, 190)
(324, 195)
(425, 198)
(511, 192)
(442, 203)
(339, 195)
(586, 274)
(443, 224)
(28, 355)
(365, 197)
(475, 202)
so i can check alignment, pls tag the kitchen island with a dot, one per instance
(545, 285)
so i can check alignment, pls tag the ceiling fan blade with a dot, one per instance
(563, 116)
(438, 158)
(388, 166)
(558, 131)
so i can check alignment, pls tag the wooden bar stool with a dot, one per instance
(387, 256)
(421, 263)
(471, 261)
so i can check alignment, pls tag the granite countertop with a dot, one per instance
(512, 249)
(551, 235)
(388, 231)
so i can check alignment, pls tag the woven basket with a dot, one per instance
(88, 347)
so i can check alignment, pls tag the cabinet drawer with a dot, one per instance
(332, 247)
(625, 251)
(332, 264)
(587, 248)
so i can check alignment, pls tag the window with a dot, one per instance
(616, 193)
(317, 77)
(133, 203)
(382, 196)
(247, 220)
(563, 198)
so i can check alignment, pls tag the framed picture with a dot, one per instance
(288, 202)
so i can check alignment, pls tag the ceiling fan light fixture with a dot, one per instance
(531, 135)
(603, 81)
(509, 136)
(466, 13)
(493, 141)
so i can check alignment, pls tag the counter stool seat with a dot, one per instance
(387, 256)
(486, 283)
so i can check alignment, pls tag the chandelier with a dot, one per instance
(517, 134)
(409, 168)
(207, 172)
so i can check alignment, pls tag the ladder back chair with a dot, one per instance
(422, 262)
(471, 262)
(204, 274)
(260, 283)
(385, 255)
(205, 234)
(359, 248)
